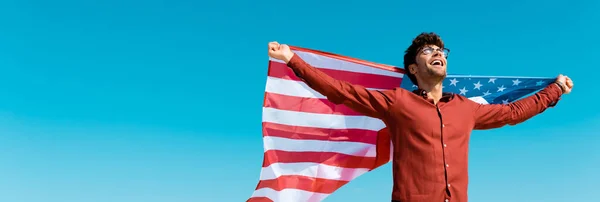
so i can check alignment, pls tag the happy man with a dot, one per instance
(429, 129)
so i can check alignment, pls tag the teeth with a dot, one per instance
(436, 62)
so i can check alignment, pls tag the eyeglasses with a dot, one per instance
(429, 50)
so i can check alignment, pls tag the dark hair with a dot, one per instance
(410, 55)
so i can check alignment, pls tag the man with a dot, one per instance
(429, 129)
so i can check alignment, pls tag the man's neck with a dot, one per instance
(434, 90)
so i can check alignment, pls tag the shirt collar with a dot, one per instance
(446, 96)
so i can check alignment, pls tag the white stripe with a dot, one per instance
(324, 62)
(291, 88)
(479, 100)
(314, 170)
(295, 145)
(315, 120)
(294, 88)
(289, 195)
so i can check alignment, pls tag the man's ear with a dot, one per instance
(412, 68)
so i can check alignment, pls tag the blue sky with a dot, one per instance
(161, 100)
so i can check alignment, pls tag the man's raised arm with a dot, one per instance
(373, 103)
(497, 115)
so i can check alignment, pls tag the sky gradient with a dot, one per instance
(159, 101)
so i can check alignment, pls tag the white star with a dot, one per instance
(487, 93)
(477, 85)
(453, 81)
(516, 82)
(501, 88)
(464, 91)
(492, 80)
(505, 101)
(539, 83)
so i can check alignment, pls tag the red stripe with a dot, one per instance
(383, 147)
(280, 70)
(349, 59)
(259, 199)
(311, 105)
(318, 185)
(310, 133)
(326, 158)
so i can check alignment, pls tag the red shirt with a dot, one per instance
(431, 142)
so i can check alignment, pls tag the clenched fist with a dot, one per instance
(565, 82)
(280, 51)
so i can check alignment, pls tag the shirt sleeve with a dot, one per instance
(488, 116)
(373, 103)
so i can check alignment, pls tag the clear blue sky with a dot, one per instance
(159, 101)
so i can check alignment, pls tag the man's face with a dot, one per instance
(431, 63)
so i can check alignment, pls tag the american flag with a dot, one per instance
(313, 147)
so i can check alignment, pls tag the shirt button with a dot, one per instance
(446, 200)
(444, 145)
(443, 125)
(447, 165)
(448, 185)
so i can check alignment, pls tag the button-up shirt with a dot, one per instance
(430, 141)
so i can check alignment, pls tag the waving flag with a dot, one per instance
(313, 147)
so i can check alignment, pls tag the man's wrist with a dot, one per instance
(287, 57)
(561, 85)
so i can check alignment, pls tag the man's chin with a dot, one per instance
(444, 74)
(440, 76)
(440, 73)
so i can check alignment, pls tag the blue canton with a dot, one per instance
(494, 89)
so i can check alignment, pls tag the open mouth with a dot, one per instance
(437, 62)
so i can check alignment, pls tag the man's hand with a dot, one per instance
(280, 51)
(565, 82)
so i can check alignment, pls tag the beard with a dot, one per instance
(437, 74)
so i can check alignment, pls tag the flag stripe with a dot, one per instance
(309, 133)
(342, 58)
(291, 88)
(300, 104)
(331, 121)
(259, 199)
(303, 183)
(337, 64)
(326, 158)
(315, 170)
(289, 195)
(294, 88)
(479, 99)
(349, 148)
(281, 70)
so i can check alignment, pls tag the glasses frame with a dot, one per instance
(445, 51)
